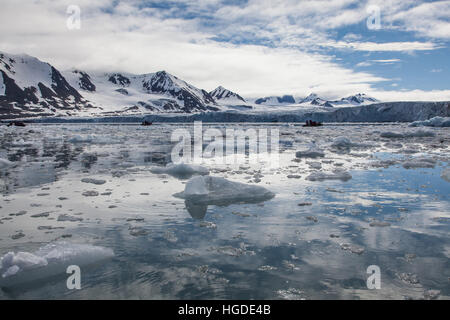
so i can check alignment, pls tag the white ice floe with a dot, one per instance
(314, 164)
(413, 134)
(446, 174)
(433, 122)
(181, 170)
(93, 181)
(346, 143)
(420, 134)
(342, 142)
(50, 260)
(95, 139)
(337, 175)
(207, 189)
(390, 134)
(312, 152)
(419, 163)
(81, 139)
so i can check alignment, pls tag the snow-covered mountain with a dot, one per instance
(274, 100)
(30, 87)
(314, 100)
(118, 93)
(351, 101)
(356, 100)
(225, 96)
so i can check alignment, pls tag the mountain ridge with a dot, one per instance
(30, 87)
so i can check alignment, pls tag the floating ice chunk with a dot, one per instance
(291, 294)
(341, 142)
(384, 163)
(81, 139)
(431, 294)
(352, 248)
(90, 193)
(420, 134)
(286, 142)
(216, 190)
(377, 223)
(346, 143)
(4, 164)
(433, 122)
(66, 217)
(313, 152)
(196, 186)
(419, 163)
(390, 134)
(337, 175)
(409, 278)
(12, 263)
(50, 260)
(414, 134)
(94, 181)
(314, 165)
(446, 174)
(182, 170)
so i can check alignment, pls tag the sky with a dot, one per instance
(391, 50)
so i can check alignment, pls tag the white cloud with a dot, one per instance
(407, 46)
(412, 95)
(430, 19)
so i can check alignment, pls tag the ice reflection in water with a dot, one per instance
(315, 239)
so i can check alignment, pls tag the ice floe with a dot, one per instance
(66, 217)
(182, 170)
(93, 181)
(419, 163)
(216, 190)
(50, 260)
(391, 134)
(346, 143)
(312, 152)
(413, 134)
(81, 139)
(337, 175)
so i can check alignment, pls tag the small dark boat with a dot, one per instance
(310, 123)
(146, 123)
(17, 124)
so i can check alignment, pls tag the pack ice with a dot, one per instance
(217, 190)
(50, 260)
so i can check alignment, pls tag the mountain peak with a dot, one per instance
(311, 97)
(359, 98)
(220, 93)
